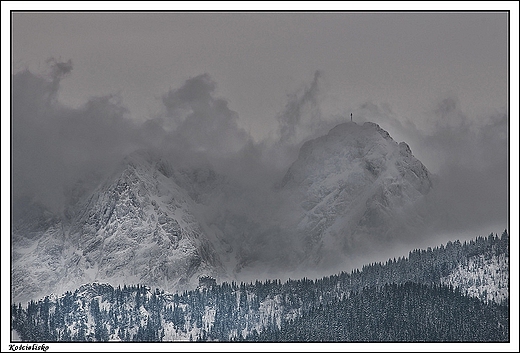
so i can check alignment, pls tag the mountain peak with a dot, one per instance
(354, 184)
(345, 145)
(361, 130)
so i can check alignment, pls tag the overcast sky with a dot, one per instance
(90, 87)
(405, 60)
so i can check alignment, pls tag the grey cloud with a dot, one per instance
(301, 113)
(468, 156)
(32, 138)
(473, 174)
(202, 121)
(54, 146)
(59, 69)
(195, 93)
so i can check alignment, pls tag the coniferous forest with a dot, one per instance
(457, 292)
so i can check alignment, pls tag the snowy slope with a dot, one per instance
(483, 277)
(38, 247)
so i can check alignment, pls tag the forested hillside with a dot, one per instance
(397, 312)
(424, 297)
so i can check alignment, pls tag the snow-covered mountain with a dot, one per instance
(155, 223)
(357, 188)
(137, 226)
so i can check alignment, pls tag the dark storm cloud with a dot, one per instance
(202, 128)
(203, 122)
(58, 69)
(195, 91)
(54, 146)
